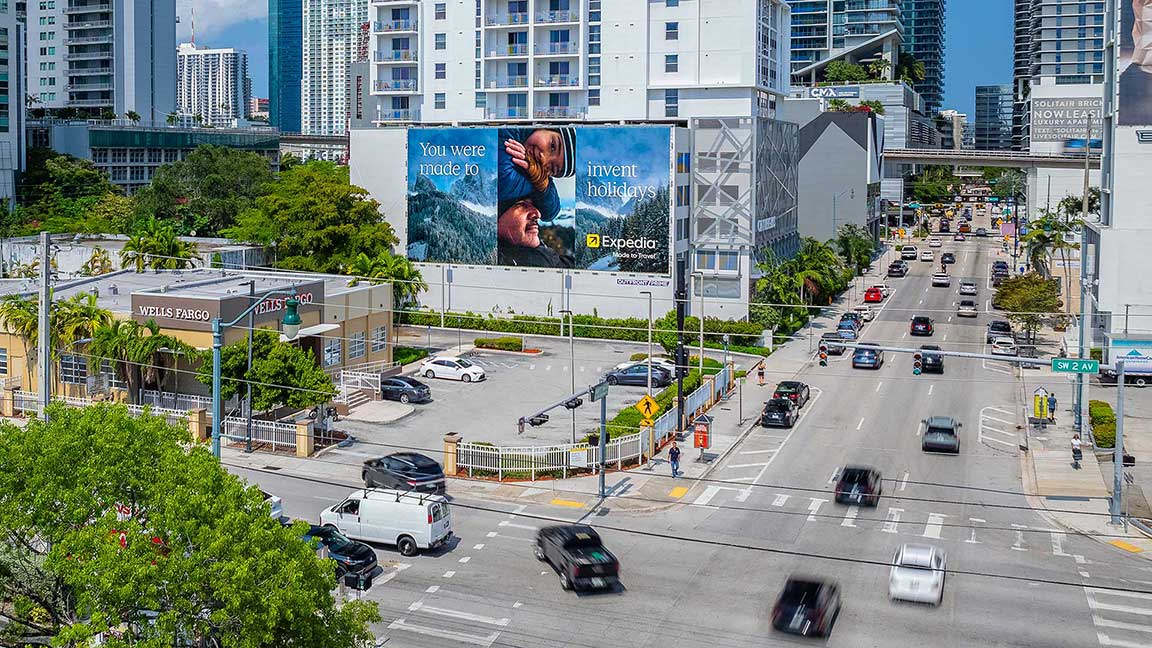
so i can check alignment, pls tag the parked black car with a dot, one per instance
(405, 390)
(931, 362)
(948, 257)
(807, 606)
(779, 412)
(638, 375)
(404, 471)
(351, 557)
(577, 555)
(794, 390)
(859, 485)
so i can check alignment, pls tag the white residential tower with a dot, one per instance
(214, 84)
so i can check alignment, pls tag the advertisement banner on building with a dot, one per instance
(1135, 65)
(834, 92)
(583, 197)
(1057, 119)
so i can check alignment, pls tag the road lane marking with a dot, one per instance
(752, 452)
(448, 574)
(814, 505)
(922, 301)
(1057, 543)
(972, 538)
(904, 481)
(1127, 609)
(432, 589)
(1019, 544)
(879, 385)
(457, 614)
(850, 516)
(506, 523)
(904, 335)
(678, 492)
(478, 546)
(568, 503)
(835, 475)
(462, 637)
(949, 318)
(748, 489)
(706, 496)
(893, 522)
(492, 534)
(860, 424)
(755, 465)
(780, 500)
(1120, 625)
(945, 338)
(465, 559)
(930, 388)
(1125, 546)
(934, 525)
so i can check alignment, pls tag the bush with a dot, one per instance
(1105, 435)
(1103, 421)
(501, 343)
(1096, 353)
(402, 355)
(627, 420)
(1100, 412)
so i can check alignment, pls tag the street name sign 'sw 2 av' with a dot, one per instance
(1075, 365)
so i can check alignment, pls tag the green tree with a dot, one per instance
(99, 263)
(132, 116)
(207, 190)
(288, 160)
(843, 72)
(313, 219)
(109, 522)
(879, 69)
(856, 246)
(282, 373)
(140, 355)
(910, 69)
(68, 192)
(1029, 300)
(154, 244)
(873, 105)
(21, 317)
(1072, 206)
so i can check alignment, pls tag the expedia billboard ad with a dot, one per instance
(583, 197)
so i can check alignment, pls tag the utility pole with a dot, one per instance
(45, 336)
(1078, 414)
(247, 378)
(1118, 451)
(681, 355)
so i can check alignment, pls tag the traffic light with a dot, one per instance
(574, 403)
(917, 363)
(823, 355)
(538, 420)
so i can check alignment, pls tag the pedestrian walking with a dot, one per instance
(1051, 408)
(674, 459)
(760, 373)
(1077, 454)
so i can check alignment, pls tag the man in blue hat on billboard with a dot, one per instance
(518, 238)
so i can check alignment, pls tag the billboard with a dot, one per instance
(583, 197)
(1135, 64)
(1057, 119)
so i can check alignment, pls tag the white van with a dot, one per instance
(411, 521)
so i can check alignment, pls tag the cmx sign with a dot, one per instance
(837, 92)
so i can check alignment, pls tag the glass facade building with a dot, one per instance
(924, 39)
(285, 63)
(993, 128)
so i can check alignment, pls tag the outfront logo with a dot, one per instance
(592, 240)
(1144, 136)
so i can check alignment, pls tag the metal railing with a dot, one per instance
(558, 81)
(184, 402)
(509, 82)
(558, 16)
(394, 25)
(395, 84)
(559, 112)
(29, 403)
(396, 55)
(558, 48)
(363, 367)
(508, 19)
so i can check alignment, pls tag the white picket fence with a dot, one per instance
(29, 403)
(519, 462)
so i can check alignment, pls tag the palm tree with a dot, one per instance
(21, 317)
(155, 245)
(139, 353)
(135, 252)
(99, 263)
(910, 69)
(879, 68)
(407, 282)
(364, 267)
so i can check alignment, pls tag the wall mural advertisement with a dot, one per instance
(589, 198)
(1135, 65)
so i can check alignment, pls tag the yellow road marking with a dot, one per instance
(1126, 546)
(678, 492)
(568, 503)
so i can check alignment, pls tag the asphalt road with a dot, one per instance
(706, 573)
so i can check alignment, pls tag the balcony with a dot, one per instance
(88, 8)
(558, 49)
(407, 114)
(508, 82)
(509, 50)
(396, 85)
(88, 71)
(507, 19)
(88, 24)
(88, 56)
(558, 81)
(396, 56)
(552, 17)
(89, 40)
(90, 87)
(506, 113)
(559, 112)
(90, 103)
(390, 26)
(394, 2)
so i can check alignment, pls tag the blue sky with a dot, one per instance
(979, 41)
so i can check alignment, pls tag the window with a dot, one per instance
(671, 103)
(594, 97)
(73, 370)
(683, 163)
(379, 339)
(4, 362)
(481, 100)
(671, 3)
(439, 100)
(441, 41)
(331, 352)
(441, 70)
(683, 195)
(671, 31)
(671, 63)
(111, 378)
(682, 229)
(729, 261)
(705, 260)
(356, 345)
(441, 10)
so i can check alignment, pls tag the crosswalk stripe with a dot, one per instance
(463, 637)
(972, 539)
(933, 526)
(1127, 609)
(1105, 640)
(1057, 543)
(1120, 625)
(706, 496)
(850, 516)
(814, 505)
(893, 520)
(780, 500)
(1092, 591)
(1019, 544)
(457, 614)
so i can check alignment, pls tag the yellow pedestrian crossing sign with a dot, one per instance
(647, 406)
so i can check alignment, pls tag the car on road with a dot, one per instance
(807, 606)
(351, 557)
(865, 312)
(411, 521)
(873, 295)
(980, 231)
(997, 279)
(897, 269)
(965, 228)
(1004, 346)
(945, 226)
(859, 485)
(275, 504)
(948, 257)
(865, 358)
(966, 308)
(968, 288)
(927, 255)
(405, 390)
(664, 363)
(940, 434)
(406, 471)
(997, 329)
(921, 325)
(934, 242)
(918, 573)
(779, 412)
(853, 317)
(451, 367)
(884, 289)
(941, 279)
(793, 390)
(931, 362)
(833, 337)
(959, 237)
(637, 374)
(1000, 265)
(848, 331)
(578, 556)
(908, 252)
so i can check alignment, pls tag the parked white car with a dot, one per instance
(663, 363)
(866, 313)
(918, 574)
(927, 255)
(934, 242)
(1004, 346)
(451, 367)
(884, 289)
(274, 503)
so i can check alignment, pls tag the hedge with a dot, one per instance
(501, 343)
(1103, 421)
(1096, 353)
(1100, 412)
(402, 355)
(627, 420)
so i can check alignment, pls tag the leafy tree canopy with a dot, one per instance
(315, 220)
(282, 373)
(109, 524)
(843, 72)
(67, 194)
(1029, 299)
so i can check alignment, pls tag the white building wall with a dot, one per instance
(331, 32)
(213, 83)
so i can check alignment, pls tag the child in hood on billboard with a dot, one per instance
(528, 160)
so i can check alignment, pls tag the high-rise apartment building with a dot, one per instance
(829, 30)
(12, 109)
(1021, 67)
(103, 56)
(331, 34)
(993, 127)
(506, 60)
(285, 63)
(214, 84)
(924, 39)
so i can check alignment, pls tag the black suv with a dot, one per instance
(921, 325)
(578, 556)
(351, 557)
(404, 471)
(807, 606)
(833, 337)
(859, 485)
(931, 362)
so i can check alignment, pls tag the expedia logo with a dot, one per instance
(1144, 136)
(592, 240)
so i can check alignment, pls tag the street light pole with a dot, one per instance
(45, 335)
(649, 293)
(1078, 414)
(1118, 450)
(571, 364)
(251, 283)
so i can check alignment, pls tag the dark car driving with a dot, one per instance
(897, 269)
(405, 390)
(921, 325)
(577, 555)
(859, 485)
(941, 434)
(637, 374)
(948, 257)
(807, 606)
(931, 362)
(794, 390)
(404, 471)
(833, 337)
(351, 557)
(779, 412)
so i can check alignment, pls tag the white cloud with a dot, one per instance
(214, 16)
